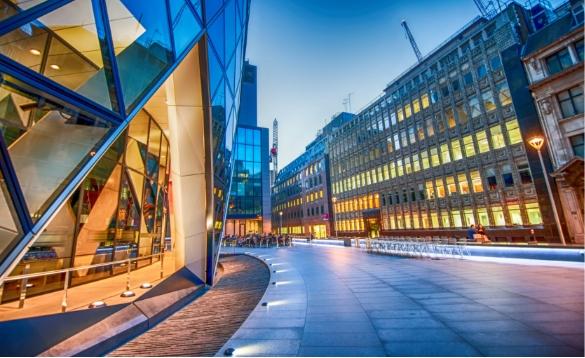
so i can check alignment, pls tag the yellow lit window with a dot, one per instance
(392, 221)
(515, 215)
(368, 178)
(407, 166)
(468, 146)
(425, 100)
(445, 155)
(450, 115)
(483, 216)
(386, 172)
(476, 181)
(463, 183)
(380, 176)
(440, 188)
(469, 218)
(497, 137)
(407, 223)
(416, 106)
(533, 212)
(407, 110)
(435, 157)
(400, 115)
(514, 135)
(430, 189)
(451, 187)
(445, 220)
(415, 222)
(374, 176)
(415, 163)
(424, 158)
(498, 215)
(456, 149)
(400, 169)
(425, 221)
(456, 218)
(482, 142)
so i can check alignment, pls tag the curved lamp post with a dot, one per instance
(280, 230)
(537, 143)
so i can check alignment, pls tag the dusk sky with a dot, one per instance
(311, 53)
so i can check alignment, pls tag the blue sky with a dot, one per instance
(311, 53)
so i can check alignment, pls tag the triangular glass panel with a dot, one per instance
(231, 75)
(197, 6)
(230, 28)
(211, 7)
(185, 27)
(215, 71)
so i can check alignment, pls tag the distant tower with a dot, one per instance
(411, 39)
(274, 150)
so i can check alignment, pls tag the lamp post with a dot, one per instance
(334, 200)
(280, 230)
(537, 143)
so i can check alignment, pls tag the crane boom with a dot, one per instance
(412, 41)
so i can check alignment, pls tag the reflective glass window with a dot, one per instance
(185, 26)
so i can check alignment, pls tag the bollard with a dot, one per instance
(128, 275)
(23, 286)
(1, 291)
(162, 260)
(65, 288)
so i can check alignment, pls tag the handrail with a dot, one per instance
(71, 269)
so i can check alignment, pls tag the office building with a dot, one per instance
(301, 198)
(249, 205)
(553, 59)
(444, 147)
(117, 120)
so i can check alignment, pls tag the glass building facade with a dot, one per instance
(444, 148)
(94, 107)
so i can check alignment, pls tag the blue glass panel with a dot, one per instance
(230, 74)
(197, 6)
(257, 137)
(211, 7)
(219, 97)
(185, 26)
(141, 36)
(229, 100)
(230, 28)
(216, 36)
(215, 72)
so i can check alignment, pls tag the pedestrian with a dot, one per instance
(483, 238)
(471, 232)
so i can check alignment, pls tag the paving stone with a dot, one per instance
(418, 335)
(431, 349)
(342, 352)
(330, 339)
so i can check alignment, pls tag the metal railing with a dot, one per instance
(23, 278)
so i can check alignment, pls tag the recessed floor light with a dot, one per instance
(55, 67)
(128, 294)
(146, 285)
(97, 304)
(35, 52)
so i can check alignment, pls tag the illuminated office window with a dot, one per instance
(392, 170)
(421, 131)
(488, 100)
(497, 137)
(425, 221)
(533, 212)
(456, 149)
(440, 188)
(400, 115)
(407, 166)
(498, 214)
(415, 221)
(445, 155)
(386, 173)
(474, 107)
(483, 216)
(407, 110)
(415, 163)
(461, 113)
(468, 216)
(476, 181)
(463, 183)
(407, 223)
(435, 157)
(430, 127)
(451, 187)
(482, 142)
(392, 221)
(389, 146)
(393, 117)
(373, 175)
(450, 115)
(469, 146)
(430, 189)
(399, 168)
(425, 100)
(435, 220)
(396, 141)
(411, 135)
(456, 218)
(514, 135)
(445, 222)
(503, 93)
(424, 158)
(416, 106)
(515, 216)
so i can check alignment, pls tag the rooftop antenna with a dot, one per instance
(347, 102)
(412, 41)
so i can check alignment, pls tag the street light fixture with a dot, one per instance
(537, 142)
(334, 199)
(280, 214)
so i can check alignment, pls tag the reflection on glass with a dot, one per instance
(74, 57)
(185, 26)
(9, 228)
(139, 36)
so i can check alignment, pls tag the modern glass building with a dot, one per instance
(118, 119)
(444, 146)
(249, 205)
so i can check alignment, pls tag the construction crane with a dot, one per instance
(412, 41)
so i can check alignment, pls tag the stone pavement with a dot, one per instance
(333, 301)
(200, 328)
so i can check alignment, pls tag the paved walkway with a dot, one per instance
(202, 327)
(331, 301)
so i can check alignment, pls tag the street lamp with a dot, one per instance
(280, 214)
(537, 143)
(334, 199)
